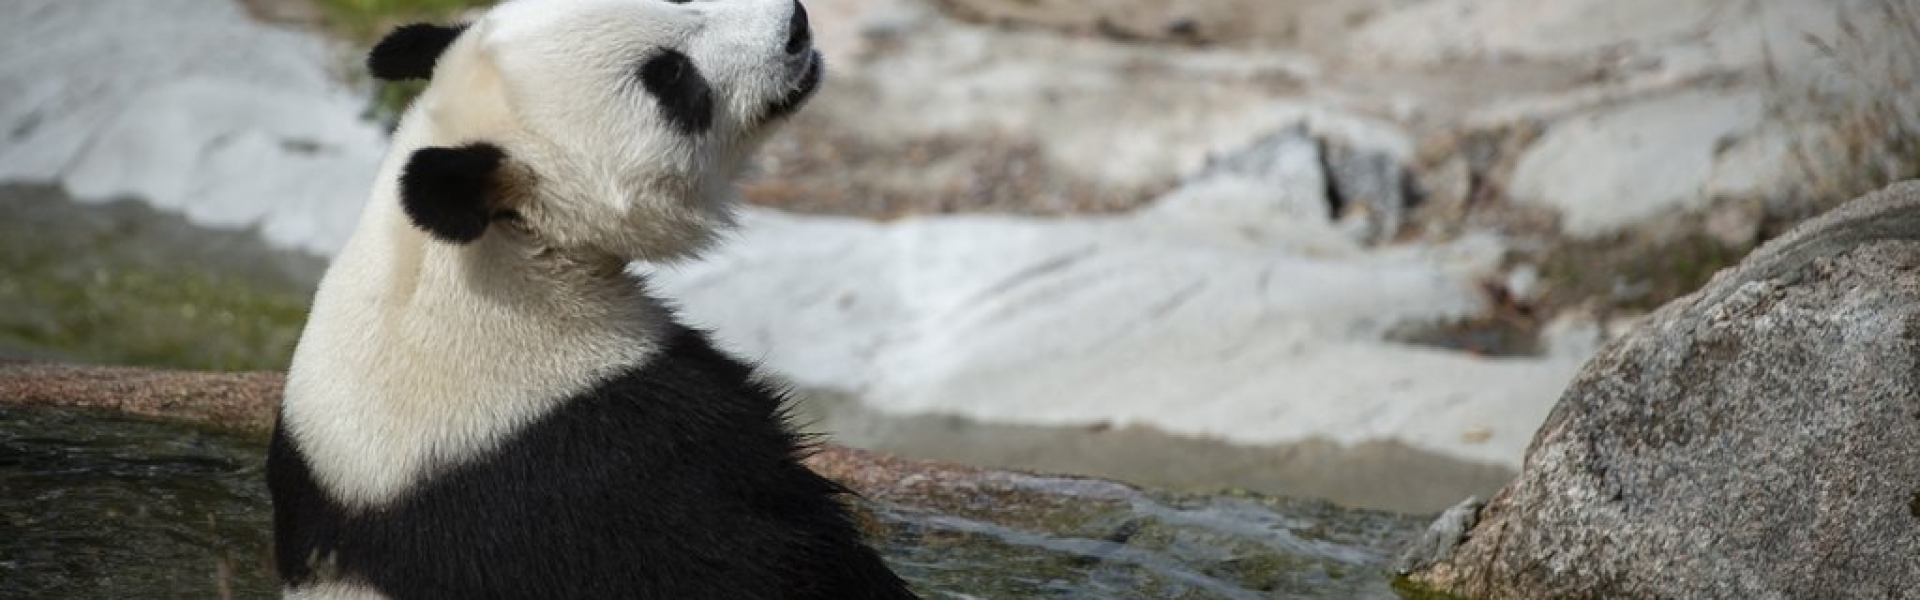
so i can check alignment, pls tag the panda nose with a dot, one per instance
(799, 37)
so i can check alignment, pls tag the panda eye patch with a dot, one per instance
(684, 96)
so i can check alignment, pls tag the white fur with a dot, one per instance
(333, 591)
(419, 354)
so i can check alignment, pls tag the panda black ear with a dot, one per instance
(411, 51)
(451, 193)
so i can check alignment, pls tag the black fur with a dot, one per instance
(411, 51)
(792, 102)
(451, 192)
(677, 480)
(683, 93)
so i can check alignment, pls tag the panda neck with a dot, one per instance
(505, 278)
(420, 355)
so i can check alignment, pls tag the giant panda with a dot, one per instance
(484, 402)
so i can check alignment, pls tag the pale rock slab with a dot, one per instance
(189, 105)
(1252, 330)
(1617, 167)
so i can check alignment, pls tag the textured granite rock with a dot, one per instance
(243, 401)
(1758, 439)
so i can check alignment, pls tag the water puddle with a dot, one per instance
(101, 506)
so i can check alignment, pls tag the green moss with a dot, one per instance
(121, 283)
(131, 315)
(1627, 273)
(365, 20)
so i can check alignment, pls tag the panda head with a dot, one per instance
(609, 129)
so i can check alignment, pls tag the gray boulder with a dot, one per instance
(1757, 439)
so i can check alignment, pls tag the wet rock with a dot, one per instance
(1754, 440)
(1438, 542)
(1368, 188)
(1278, 176)
(117, 507)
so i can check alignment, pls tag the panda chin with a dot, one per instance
(803, 89)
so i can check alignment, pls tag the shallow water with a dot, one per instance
(98, 506)
(102, 506)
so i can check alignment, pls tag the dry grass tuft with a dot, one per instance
(1865, 102)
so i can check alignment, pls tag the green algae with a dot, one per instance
(122, 283)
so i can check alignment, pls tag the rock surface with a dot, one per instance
(248, 402)
(112, 507)
(1758, 439)
(189, 105)
(1140, 106)
(1609, 170)
(243, 401)
(1230, 309)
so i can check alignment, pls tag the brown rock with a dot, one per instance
(231, 400)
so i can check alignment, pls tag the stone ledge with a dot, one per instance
(247, 401)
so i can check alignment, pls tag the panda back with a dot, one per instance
(678, 478)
